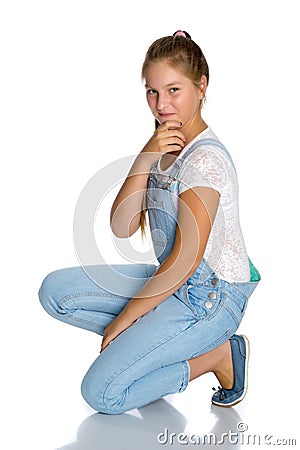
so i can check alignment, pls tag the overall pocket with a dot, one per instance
(162, 223)
(158, 220)
(203, 300)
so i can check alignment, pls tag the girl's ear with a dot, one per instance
(203, 86)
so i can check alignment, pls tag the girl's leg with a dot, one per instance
(151, 359)
(76, 295)
(218, 361)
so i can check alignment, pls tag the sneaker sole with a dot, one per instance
(238, 400)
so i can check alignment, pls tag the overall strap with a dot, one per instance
(197, 144)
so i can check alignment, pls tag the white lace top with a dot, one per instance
(210, 166)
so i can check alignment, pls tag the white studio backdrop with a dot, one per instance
(72, 102)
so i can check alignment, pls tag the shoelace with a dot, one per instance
(221, 392)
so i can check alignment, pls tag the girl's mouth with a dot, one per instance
(166, 116)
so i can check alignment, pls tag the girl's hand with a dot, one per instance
(167, 138)
(116, 327)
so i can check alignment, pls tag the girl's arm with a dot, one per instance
(127, 207)
(197, 210)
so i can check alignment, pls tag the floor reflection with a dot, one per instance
(126, 431)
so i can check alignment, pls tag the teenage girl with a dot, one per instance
(165, 325)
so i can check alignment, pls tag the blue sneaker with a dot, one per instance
(240, 358)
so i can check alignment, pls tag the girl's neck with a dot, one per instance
(191, 130)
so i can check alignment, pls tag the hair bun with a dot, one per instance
(182, 33)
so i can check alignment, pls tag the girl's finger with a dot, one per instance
(171, 124)
(173, 141)
(171, 134)
(175, 133)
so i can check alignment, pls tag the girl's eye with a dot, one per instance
(173, 90)
(151, 92)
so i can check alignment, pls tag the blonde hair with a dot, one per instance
(182, 53)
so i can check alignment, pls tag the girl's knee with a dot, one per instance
(94, 392)
(48, 294)
(91, 393)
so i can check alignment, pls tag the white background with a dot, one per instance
(71, 102)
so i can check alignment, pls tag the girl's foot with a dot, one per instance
(240, 356)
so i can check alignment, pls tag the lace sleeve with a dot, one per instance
(204, 167)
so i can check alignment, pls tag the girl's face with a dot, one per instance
(171, 95)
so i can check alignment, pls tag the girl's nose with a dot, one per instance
(162, 102)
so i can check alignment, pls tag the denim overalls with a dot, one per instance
(204, 283)
(148, 360)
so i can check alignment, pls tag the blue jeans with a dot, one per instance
(149, 359)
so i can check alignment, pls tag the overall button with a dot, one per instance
(214, 281)
(208, 304)
(212, 295)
